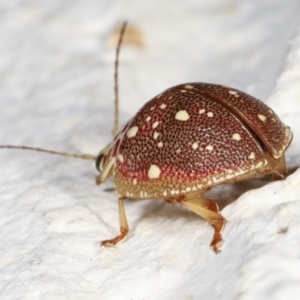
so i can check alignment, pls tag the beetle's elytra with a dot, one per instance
(186, 140)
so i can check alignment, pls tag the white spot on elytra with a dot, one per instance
(155, 124)
(165, 193)
(153, 172)
(160, 144)
(252, 155)
(210, 114)
(173, 192)
(235, 93)
(163, 106)
(134, 181)
(152, 107)
(148, 119)
(262, 117)
(195, 146)
(228, 176)
(132, 131)
(209, 147)
(182, 115)
(188, 86)
(215, 179)
(236, 136)
(202, 111)
(259, 164)
(178, 151)
(183, 91)
(120, 158)
(155, 135)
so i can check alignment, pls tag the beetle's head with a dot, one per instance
(101, 159)
(104, 163)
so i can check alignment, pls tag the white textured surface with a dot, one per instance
(56, 70)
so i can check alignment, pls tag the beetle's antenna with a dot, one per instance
(82, 156)
(116, 105)
(116, 87)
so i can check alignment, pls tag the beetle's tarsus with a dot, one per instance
(209, 210)
(217, 242)
(117, 239)
(124, 228)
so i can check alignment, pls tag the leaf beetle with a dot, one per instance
(186, 140)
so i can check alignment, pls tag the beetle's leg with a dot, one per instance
(123, 226)
(280, 168)
(209, 210)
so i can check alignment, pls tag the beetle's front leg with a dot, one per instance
(123, 226)
(209, 210)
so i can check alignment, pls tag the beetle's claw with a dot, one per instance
(117, 239)
(107, 243)
(217, 242)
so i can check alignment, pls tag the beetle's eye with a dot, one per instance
(99, 162)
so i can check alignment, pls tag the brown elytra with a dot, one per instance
(188, 139)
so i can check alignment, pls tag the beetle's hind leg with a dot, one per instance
(209, 210)
(123, 226)
(279, 167)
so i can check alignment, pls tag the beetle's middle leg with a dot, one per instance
(207, 209)
(123, 226)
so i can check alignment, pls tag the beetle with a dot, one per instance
(186, 140)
